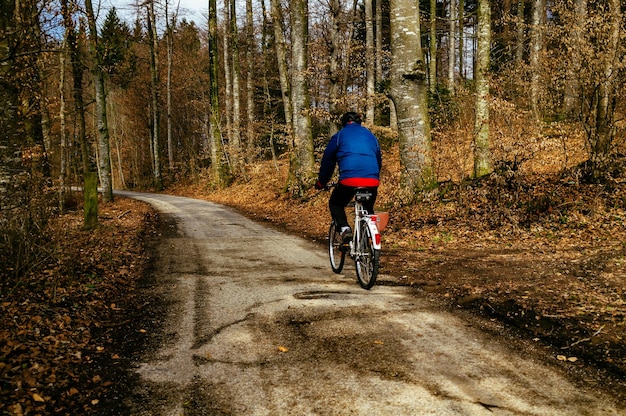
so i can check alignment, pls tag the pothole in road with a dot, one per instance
(322, 294)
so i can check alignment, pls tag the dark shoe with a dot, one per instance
(346, 237)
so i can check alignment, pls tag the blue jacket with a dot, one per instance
(357, 153)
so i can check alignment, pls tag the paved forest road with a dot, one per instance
(258, 324)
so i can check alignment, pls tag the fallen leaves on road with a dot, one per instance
(57, 321)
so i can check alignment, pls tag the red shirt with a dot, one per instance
(356, 182)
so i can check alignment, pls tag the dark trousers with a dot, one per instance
(341, 196)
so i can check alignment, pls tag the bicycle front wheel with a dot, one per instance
(335, 252)
(367, 258)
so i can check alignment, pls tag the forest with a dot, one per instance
(92, 100)
(458, 92)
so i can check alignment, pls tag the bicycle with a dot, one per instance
(365, 246)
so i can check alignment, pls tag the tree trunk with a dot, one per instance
(452, 46)
(409, 93)
(369, 61)
(169, 36)
(104, 160)
(265, 54)
(235, 133)
(432, 64)
(77, 82)
(482, 159)
(154, 87)
(9, 141)
(281, 57)
(348, 46)
(90, 200)
(228, 85)
(44, 114)
(602, 143)
(519, 33)
(576, 37)
(90, 195)
(64, 156)
(461, 38)
(536, 45)
(250, 136)
(30, 97)
(333, 76)
(215, 134)
(379, 40)
(302, 158)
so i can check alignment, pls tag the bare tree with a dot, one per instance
(410, 97)
(432, 51)
(461, 38)
(215, 134)
(170, 24)
(77, 82)
(452, 46)
(599, 117)
(536, 46)
(63, 143)
(154, 90)
(235, 133)
(482, 159)
(104, 153)
(519, 32)
(576, 37)
(250, 55)
(335, 53)
(302, 162)
(379, 40)
(369, 61)
(281, 57)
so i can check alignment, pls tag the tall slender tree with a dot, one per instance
(215, 135)
(370, 61)
(432, 48)
(348, 44)
(482, 158)
(228, 86)
(333, 71)
(379, 40)
(281, 57)
(250, 57)
(603, 115)
(576, 37)
(90, 217)
(519, 32)
(170, 24)
(461, 38)
(410, 97)
(235, 133)
(104, 153)
(154, 90)
(452, 45)
(536, 46)
(302, 158)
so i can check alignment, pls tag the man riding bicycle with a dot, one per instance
(357, 153)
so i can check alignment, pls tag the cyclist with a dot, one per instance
(356, 151)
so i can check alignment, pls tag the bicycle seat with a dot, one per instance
(362, 194)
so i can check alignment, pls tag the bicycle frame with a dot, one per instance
(360, 214)
(364, 247)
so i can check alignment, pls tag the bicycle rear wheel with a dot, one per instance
(367, 258)
(335, 252)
